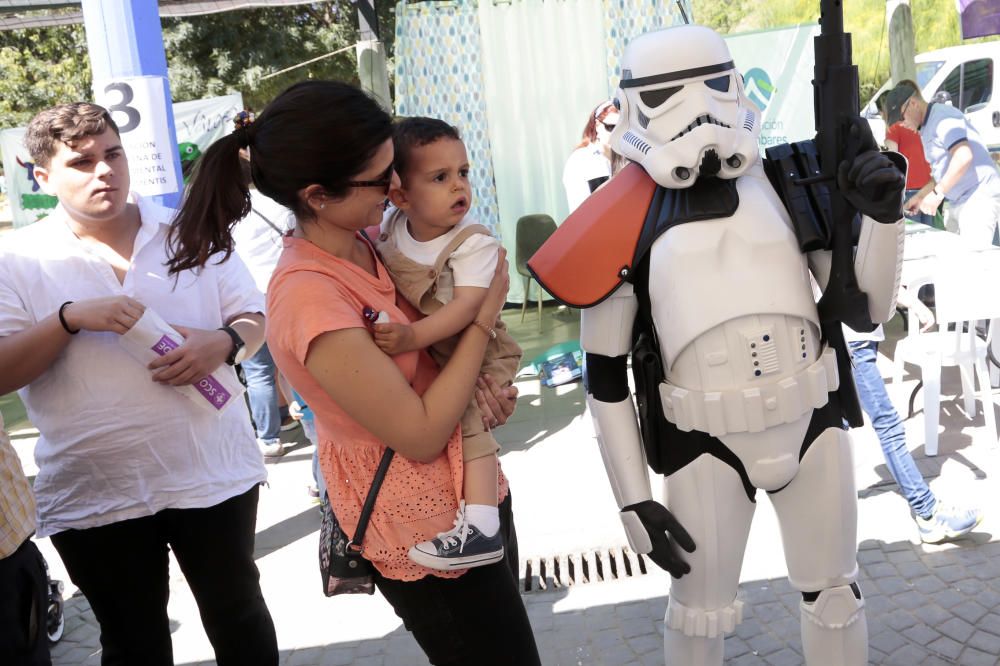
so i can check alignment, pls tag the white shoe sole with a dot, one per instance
(952, 534)
(450, 563)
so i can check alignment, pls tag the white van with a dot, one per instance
(965, 76)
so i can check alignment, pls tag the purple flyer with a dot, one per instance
(212, 390)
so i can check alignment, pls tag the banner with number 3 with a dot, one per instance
(137, 106)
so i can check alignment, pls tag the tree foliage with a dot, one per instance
(935, 26)
(234, 51)
(207, 55)
(40, 68)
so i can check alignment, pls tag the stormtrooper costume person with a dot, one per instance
(693, 240)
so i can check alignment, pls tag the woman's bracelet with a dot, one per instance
(487, 329)
(62, 318)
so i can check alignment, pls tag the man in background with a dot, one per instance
(961, 168)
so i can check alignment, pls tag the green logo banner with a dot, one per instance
(777, 69)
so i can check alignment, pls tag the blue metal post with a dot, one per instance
(125, 40)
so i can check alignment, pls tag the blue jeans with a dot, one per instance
(309, 426)
(889, 428)
(263, 393)
(922, 218)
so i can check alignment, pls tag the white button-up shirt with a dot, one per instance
(114, 444)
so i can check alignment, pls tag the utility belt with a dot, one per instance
(752, 409)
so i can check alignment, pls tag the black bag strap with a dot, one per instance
(366, 511)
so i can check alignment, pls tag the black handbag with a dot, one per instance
(343, 569)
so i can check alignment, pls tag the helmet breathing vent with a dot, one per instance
(748, 120)
(704, 119)
(636, 142)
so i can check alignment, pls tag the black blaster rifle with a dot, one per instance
(839, 135)
(806, 174)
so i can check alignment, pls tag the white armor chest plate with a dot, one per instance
(703, 274)
(739, 333)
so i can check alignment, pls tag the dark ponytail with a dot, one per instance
(314, 133)
(216, 199)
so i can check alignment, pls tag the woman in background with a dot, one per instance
(589, 164)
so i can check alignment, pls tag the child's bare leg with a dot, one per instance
(480, 483)
(480, 490)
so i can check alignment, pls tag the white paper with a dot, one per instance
(152, 337)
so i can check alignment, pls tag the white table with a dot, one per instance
(925, 244)
(923, 249)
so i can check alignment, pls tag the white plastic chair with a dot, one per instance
(966, 290)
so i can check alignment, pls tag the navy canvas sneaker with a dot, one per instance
(947, 522)
(462, 547)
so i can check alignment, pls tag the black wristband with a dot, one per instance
(62, 319)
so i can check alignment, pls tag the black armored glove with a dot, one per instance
(659, 522)
(873, 182)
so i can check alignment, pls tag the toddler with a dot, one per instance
(442, 262)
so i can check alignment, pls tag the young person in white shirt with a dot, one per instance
(128, 466)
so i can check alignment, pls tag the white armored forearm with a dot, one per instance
(606, 336)
(878, 265)
(621, 449)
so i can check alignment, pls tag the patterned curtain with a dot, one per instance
(438, 74)
(518, 78)
(625, 19)
(543, 72)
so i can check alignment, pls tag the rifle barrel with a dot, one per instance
(831, 17)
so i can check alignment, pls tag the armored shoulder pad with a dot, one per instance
(590, 254)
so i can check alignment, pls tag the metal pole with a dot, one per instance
(371, 55)
(900, 20)
(125, 45)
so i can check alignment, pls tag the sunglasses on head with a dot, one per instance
(384, 181)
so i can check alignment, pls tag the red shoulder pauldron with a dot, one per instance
(582, 263)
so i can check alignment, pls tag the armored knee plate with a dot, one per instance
(834, 608)
(834, 630)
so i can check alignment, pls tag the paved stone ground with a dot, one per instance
(926, 604)
(923, 608)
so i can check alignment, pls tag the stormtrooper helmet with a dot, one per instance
(684, 113)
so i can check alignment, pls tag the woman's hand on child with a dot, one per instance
(496, 295)
(394, 338)
(496, 402)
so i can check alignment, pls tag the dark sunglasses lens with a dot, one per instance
(610, 128)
